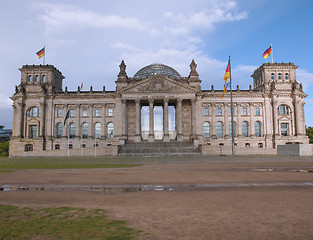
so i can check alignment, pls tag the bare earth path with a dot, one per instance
(261, 212)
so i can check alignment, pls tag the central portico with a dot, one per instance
(158, 104)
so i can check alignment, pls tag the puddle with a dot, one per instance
(115, 189)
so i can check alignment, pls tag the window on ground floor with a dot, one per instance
(206, 129)
(28, 148)
(284, 129)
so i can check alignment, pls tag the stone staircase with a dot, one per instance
(159, 149)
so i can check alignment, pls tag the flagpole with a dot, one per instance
(44, 56)
(81, 144)
(95, 142)
(272, 53)
(68, 141)
(231, 113)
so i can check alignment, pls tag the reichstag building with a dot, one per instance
(156, 112)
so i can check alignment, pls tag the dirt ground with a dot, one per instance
(266, 212)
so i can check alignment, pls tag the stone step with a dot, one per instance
(159, 149)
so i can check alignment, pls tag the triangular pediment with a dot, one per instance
(158, 84)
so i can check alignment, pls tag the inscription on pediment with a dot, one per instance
(159, 85)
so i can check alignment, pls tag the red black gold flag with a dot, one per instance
(226, 76)
(41, 53)
(267, 52)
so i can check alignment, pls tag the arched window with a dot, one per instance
(72, 130)
(230, 129)
(110, 130)
(219, 129)
(33, 112)
(286, 76)
(30, 78)
(279, 76)
(36, 78)
(59, 130)
(206, 129)
(43, 78)
(283, 110)
(257, 128)
(98, 130)
(272, 76)
(245, 129)
(85, 130)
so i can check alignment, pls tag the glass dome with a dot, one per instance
(156, 69)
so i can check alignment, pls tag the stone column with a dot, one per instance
(252, 123)
(275, 123)
(138, 118)
(104, 123)
(213, 122)
(151, 121)
(239, 122)
(90, 122)
(42, 119)
(124, 122)
(165, 122)
(193, 118)
(226, 120)
(179, 120)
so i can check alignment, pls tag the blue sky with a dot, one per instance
(86, 40)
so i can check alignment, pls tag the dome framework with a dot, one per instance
(156, 69)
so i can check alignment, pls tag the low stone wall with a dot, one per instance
(295, 150)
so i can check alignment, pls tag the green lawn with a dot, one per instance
(61, 223)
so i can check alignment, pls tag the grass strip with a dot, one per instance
(6, 171)
(61, 223)
(62, 166)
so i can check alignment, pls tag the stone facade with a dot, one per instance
(157, 104)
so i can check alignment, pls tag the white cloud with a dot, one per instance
(59, 16)
(305, 78)
(219, 11)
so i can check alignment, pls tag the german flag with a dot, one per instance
(267, 52)
(226, 76)
(41, 53)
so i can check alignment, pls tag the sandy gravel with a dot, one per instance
(226, 213)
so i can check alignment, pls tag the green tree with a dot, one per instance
(309, 132)
(4, 148)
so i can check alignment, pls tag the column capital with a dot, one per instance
(151, 100)
(166, 100)
(179, 100)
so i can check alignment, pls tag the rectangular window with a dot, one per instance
(59, 113)
(57, 147)
(110, 112)
(85, 113)
(72, 113)
(231, 111)
(284, 129)
(97, 112)
(219, 111)
(257, 111)
(28, 148)
(206, 111)
(245, 111)
(33, 131)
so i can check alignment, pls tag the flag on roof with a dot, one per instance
(41, 53)
(226, 76)
(267, 52)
